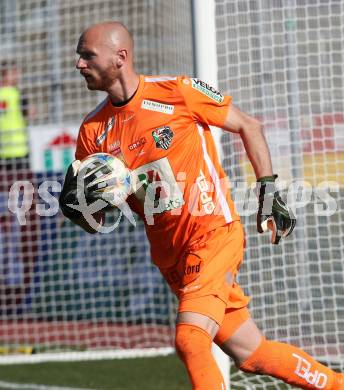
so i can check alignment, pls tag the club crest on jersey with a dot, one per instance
(163, 137)
(207, 89)
(104, 134)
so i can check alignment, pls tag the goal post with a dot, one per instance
(206, 68)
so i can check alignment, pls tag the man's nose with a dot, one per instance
(80, 63)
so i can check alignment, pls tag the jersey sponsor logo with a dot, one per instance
(156, 106)
(136, 144)
(115, 148)
(192, 268)
(185, 273)
(206, 200)
(158, 189)
(108, 127)
(303, 370)
(207, 89)
(163, 137)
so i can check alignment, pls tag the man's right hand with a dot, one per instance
(69, 193)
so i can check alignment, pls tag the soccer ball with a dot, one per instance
(107, 178)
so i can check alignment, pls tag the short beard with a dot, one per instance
(108, 77)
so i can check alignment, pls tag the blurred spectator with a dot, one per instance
(14, 111)
(17, 243)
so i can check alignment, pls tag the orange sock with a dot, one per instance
(293, 366)
(193, 346)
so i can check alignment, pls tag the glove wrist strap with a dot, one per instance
(265, 187)
(267, 179)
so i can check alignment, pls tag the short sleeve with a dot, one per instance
(85, 144)
(205, 103)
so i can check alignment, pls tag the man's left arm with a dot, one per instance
(272, 210)
(251, 133)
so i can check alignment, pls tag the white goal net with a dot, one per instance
(62, 290)
(282, 61)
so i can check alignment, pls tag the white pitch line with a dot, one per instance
(85, 356)
(33, 386)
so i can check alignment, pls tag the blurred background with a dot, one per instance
(62, 290)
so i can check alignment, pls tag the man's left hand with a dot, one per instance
(273, 213)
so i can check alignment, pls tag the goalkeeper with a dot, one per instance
(160, 124)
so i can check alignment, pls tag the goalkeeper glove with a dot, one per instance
(91, 186)
(69, 193)
(272, 211)
(103, 181)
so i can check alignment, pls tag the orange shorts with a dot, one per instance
(200, 278)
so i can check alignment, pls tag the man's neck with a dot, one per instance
(124, 89)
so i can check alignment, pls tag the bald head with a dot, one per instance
(112, 34)
(106, 59)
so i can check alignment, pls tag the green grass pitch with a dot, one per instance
(159, 373)
(165, 373)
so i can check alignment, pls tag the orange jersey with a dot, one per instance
(162, 134)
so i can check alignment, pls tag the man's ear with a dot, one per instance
(122, 55)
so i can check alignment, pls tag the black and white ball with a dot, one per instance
(107, 178)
